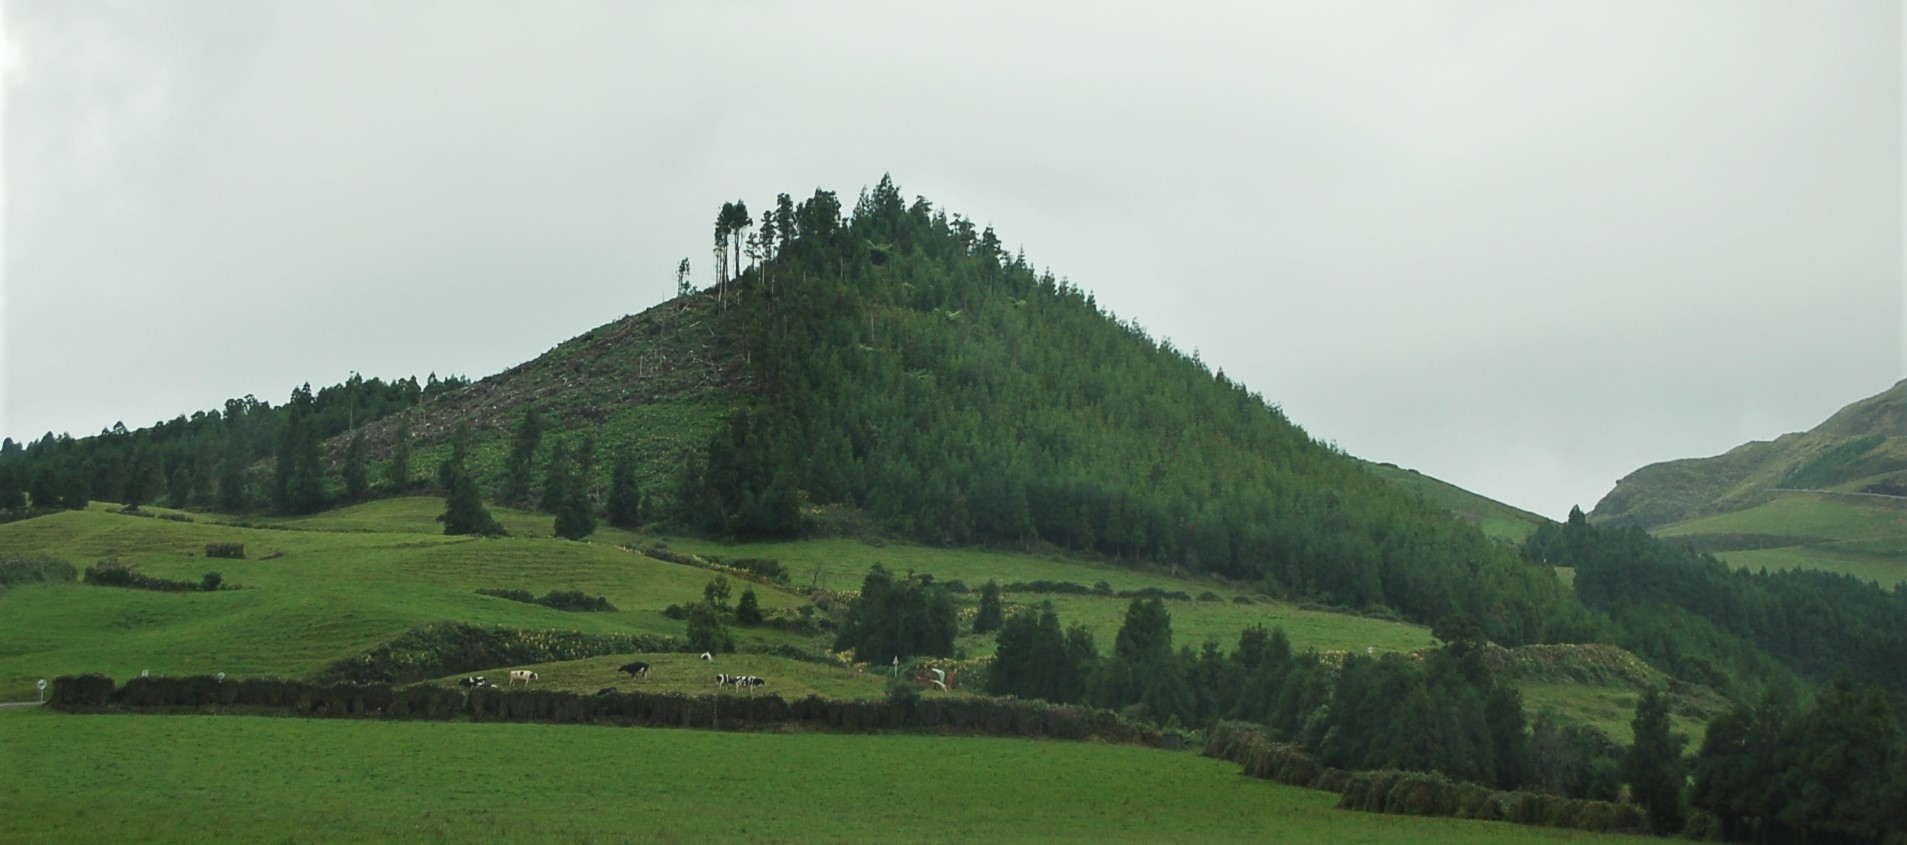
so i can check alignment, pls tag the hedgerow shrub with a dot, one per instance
(33, 569)
(111, 573)
(76, 691)
(573, 600)
(234, 551)
(433, 651)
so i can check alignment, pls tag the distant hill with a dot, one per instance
(1496, 519)
(1862, 449)
(1833, 498)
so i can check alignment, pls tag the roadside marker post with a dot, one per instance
(42, 686)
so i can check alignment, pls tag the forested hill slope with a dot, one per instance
(1862, 449)
(904, 365)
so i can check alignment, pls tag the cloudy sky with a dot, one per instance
(1525, 247)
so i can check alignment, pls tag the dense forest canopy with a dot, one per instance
(907, 366)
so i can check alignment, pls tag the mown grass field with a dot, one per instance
(322, 595)
(320, 588)
(317, 589)
(206, 779)
(1862, 536)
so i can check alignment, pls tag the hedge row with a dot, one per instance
(448, 648)
(1414, 793)
(767, 571)
(33, 569)
(988, 716)
(572, 600)
(200, 692)
(111, 573)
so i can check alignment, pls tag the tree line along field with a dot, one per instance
(201, 779)
(316, 589)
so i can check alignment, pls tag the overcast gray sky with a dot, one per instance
(1524, 247)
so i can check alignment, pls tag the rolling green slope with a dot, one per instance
(1860, 449)
(1828, 499)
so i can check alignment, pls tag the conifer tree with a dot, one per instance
(706, 631)
(1653, 766)
(625, 498)
(518, 466)
(464, 512)
(178, 490)
(356, 483)
(142, 477)
(990, 616)
(748, 608)
(556, 479)
(576, 511)
(398, 471)
(233, 497)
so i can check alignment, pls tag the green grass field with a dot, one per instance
(316, 589)
(320, 588)
(1862, 536)
(322, 596)
(200, 779)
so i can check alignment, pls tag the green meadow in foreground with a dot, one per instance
(207, 779)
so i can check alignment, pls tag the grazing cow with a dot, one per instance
(707, 656)
(523, 675)
(722, 680)
(636, 668)
(473, 682)
(749, 681)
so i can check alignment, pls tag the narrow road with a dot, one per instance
(4, 704)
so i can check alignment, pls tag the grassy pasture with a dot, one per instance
(329, 595)
(688, 673)
(1806, 515)
(198, 779)
(1193, 622)
(1865, 537)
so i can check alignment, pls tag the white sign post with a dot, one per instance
(42, 686)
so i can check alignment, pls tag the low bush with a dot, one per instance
(234, 551)
(33, 569)
(572, 600)
(111, 573)
(1060, 587)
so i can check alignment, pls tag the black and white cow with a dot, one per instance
(708, 656)
(472, 682)
(634, 669)
(522, 676)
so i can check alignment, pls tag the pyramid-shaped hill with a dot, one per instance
(896, 368)
(893, 371)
